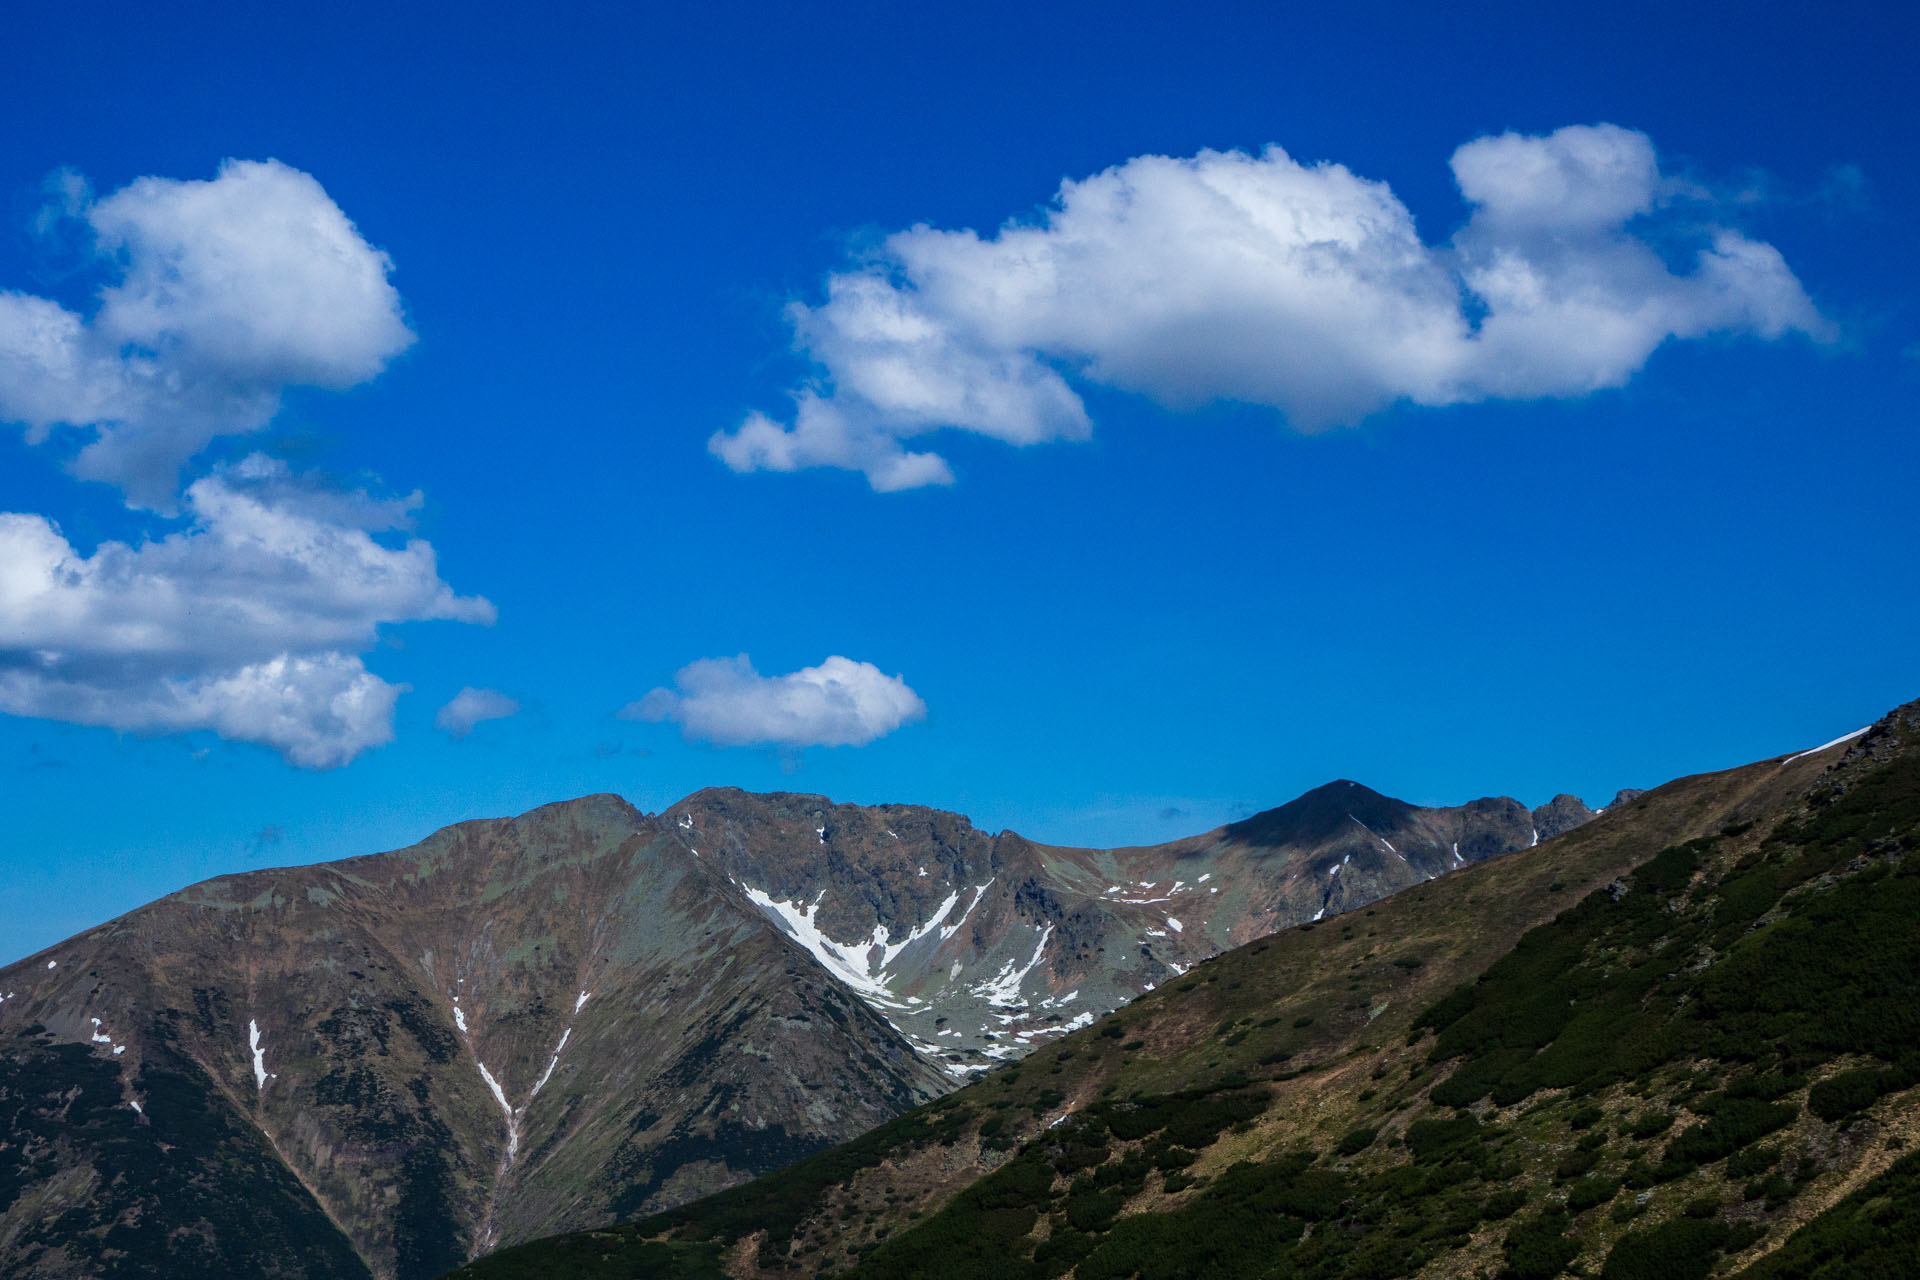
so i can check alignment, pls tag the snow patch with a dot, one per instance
(135, 1104)
(947, 931)
(1203, 879)
(552, 1062)
(853, 963)
(513, 1120)
(847, 962)
(259, 1055)
(1175, 925)
(889, 950)
(53, 964)
(1004, 987)
(1845, 737)
(581, 1001)
(459, 1019)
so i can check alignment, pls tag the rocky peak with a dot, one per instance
(1320, 814)
(1560, 815)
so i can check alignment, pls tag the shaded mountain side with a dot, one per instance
(514, 1027)
(91, 1187)
(1620, 1047)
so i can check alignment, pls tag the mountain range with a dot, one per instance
(1675, 1042)
(388, 1065)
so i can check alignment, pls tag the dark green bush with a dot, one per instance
(1735, 1123)
(1092, 1210)
(1433, 1140)
(1752, 1161)
(1503, 1204)
(1540, 1247)
(1845, 1094)
(1683, 1249)
(1591, 1192)
(1355, 1142)
(1575, 1163)
(1650, 1125)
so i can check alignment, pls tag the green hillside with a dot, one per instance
(1664, 1044)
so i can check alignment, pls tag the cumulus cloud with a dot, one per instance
(469, 707)
(1256, 278)
(225, 292)
(839, 703)
(247, 622)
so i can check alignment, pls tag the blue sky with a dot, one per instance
(1226, 514)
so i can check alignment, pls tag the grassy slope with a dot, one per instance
(1632, 1082)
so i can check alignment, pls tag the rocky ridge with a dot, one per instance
(390, 1064)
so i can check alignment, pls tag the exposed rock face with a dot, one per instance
(523, 1026)
(1560, 815)
(979, 947)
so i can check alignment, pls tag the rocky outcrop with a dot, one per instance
(1560, 815)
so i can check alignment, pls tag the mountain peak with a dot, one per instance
(1319, 813)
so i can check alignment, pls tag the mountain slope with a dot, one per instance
(513, 1027)
(1691, 1032)
(523, 1026)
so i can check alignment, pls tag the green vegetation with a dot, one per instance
(1874, 1232)
(1631, 1091)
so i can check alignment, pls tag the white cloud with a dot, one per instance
(319, 712)
(1228, 276)
(246, 622)
(836, 704)
(469, 707)
(227, 292)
